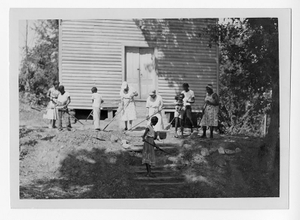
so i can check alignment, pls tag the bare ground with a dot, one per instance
(82, 163)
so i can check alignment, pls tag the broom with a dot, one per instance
(118, 112)
(169, 125)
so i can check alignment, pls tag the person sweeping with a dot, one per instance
(97, 101)
(148, 148)
(63, 100)
(127, 94)
(154, 104)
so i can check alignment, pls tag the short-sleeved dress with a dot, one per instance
(51, 110)
(148, 149)
(210, 116)
(127, 99)
(154, 105)
(178, 109)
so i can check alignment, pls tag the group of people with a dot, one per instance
(60, 99)
(58, 106)
(183, 108)
(183, 112)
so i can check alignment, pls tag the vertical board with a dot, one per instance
(147, 72)
(91, 55)
(132, 67)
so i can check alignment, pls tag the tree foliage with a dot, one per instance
(249, 69)
(39, 66)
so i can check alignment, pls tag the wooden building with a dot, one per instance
(150, 54)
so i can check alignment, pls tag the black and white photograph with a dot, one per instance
(152, 108)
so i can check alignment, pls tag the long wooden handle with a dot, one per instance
(145, 119)
(156, 147)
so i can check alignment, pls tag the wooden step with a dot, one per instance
(139, 171)
(160, 178)
(140, 148)
(164, 184)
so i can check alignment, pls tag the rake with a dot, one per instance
(170, 124)
(145, 120)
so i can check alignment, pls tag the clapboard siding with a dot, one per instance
(92, 55)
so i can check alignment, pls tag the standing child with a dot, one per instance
(178, 112)
(148, 149)
(189, 98)
(97, 101)
(52, 113)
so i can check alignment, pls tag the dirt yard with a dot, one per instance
(83, 163)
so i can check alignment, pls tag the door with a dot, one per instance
(132, 67)
(140, 70)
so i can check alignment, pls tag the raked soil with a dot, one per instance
(83, 163)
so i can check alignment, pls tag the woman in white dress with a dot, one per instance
(128, 113)
(52, 113)
(154, 104)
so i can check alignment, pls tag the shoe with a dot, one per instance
(98, 129)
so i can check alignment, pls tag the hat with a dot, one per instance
(124, 85)
(153, 92)
(209, 86)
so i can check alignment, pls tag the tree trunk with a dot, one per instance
(272, 138)
(270, 162)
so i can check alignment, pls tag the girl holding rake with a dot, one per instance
(148, 149)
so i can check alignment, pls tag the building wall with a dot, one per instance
(92, 54)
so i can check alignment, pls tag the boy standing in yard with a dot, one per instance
(63, 101)
(97, 101)
(189, 98)
(178, 112)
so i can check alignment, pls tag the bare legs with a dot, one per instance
(130, 125)
(204, 131)
(148, 167)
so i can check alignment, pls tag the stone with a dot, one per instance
(113, 138)
(213, 149)
(204, 152)
(193, 135)
(198, 159)
(187, 163)
(112, 160)
(126, 146)
(228, 151)
(180, 155)
(221, 162)
(124, 141)
(187, 146)
(173, 159)
(221, 150)
(139, 155)
(238, 150)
